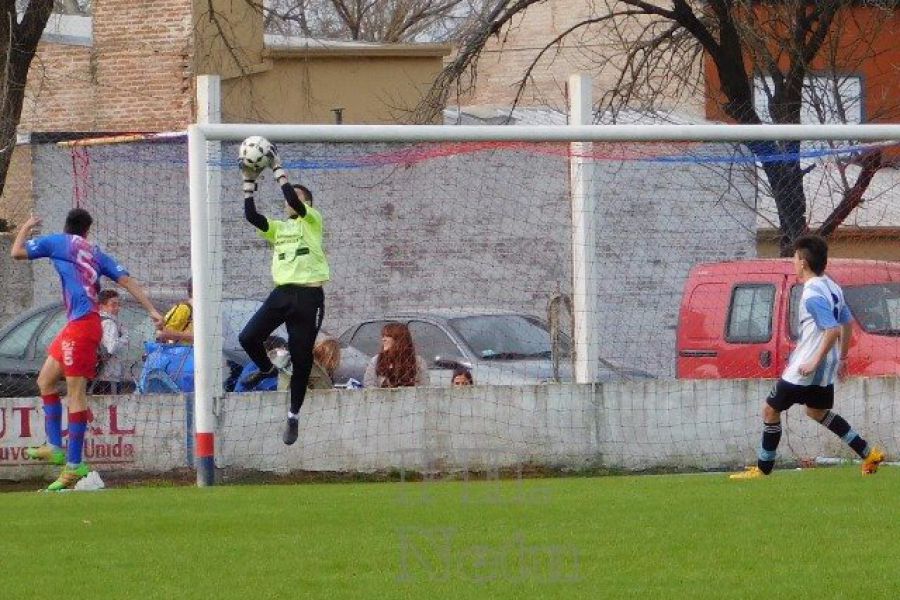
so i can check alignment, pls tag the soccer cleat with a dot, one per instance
(46, 452)
(870, 464)
(290, 431)
(69, 477)
(254, 379)
(750, 473)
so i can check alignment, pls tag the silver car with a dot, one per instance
(498, 348)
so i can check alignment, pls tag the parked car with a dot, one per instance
(739, 319)
(24, 341)
(499, 348)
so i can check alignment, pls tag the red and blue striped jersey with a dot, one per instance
(80, 265)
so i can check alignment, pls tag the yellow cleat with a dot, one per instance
(875, 458)
(750, 473)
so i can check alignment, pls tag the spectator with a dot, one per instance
(277, 350)
(110, 370)
(326, 358)
(462, 376)
(178, 324)
(397, 365)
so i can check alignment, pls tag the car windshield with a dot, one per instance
(876, 307)
(507, 337)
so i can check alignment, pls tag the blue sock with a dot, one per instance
(53, 419)
(77, 427)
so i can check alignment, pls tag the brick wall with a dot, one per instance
(135, 77)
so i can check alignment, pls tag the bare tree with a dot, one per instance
(368, 20)
(20, 32)
(657, 49)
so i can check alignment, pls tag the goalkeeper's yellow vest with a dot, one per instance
(299, 257)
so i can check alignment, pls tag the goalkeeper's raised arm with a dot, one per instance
(250, 187)
(290, 194)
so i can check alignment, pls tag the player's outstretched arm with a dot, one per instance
(18, 250)
(290, 194)
(137, 291)
(250, 213)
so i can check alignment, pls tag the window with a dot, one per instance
(16, 342)
(70, 23)
(876, 307)
(431, 342)
(504, 337)
(750, 315)
(54, 325)
(827, 99)
(367, 338)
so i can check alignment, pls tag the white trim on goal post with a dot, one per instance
(204, 382)
(199, 135)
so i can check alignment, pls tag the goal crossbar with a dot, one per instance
(555, 133)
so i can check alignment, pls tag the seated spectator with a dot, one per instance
(461, 376)
(178, 324)
(326, 358)
(397, 365)
(110, 370)
(276, 348)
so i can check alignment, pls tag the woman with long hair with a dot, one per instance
(397, 365)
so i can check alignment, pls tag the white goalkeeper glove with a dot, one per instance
(249, 176)
(277, 168)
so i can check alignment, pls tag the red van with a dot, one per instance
(739, 319)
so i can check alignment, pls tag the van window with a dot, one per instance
(750, 314)
(876, 307)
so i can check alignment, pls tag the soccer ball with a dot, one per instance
(254, 153)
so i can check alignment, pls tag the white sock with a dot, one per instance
(293, 416)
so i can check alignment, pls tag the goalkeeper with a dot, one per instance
(299, 269)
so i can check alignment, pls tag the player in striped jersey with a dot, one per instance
(73, 355)
(814, 364)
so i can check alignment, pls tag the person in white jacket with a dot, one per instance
(111, 376)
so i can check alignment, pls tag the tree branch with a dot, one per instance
(853, 197)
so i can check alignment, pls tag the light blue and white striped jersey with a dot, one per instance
(822, 307)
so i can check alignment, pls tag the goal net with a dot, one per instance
(619, 304)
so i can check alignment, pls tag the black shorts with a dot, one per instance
(784, 395)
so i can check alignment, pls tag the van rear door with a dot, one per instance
(727, 326)
(750, 342)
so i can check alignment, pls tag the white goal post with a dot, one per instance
(204, 209)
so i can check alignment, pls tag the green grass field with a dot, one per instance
(820, 533)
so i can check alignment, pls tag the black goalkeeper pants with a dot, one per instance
(301, 310)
